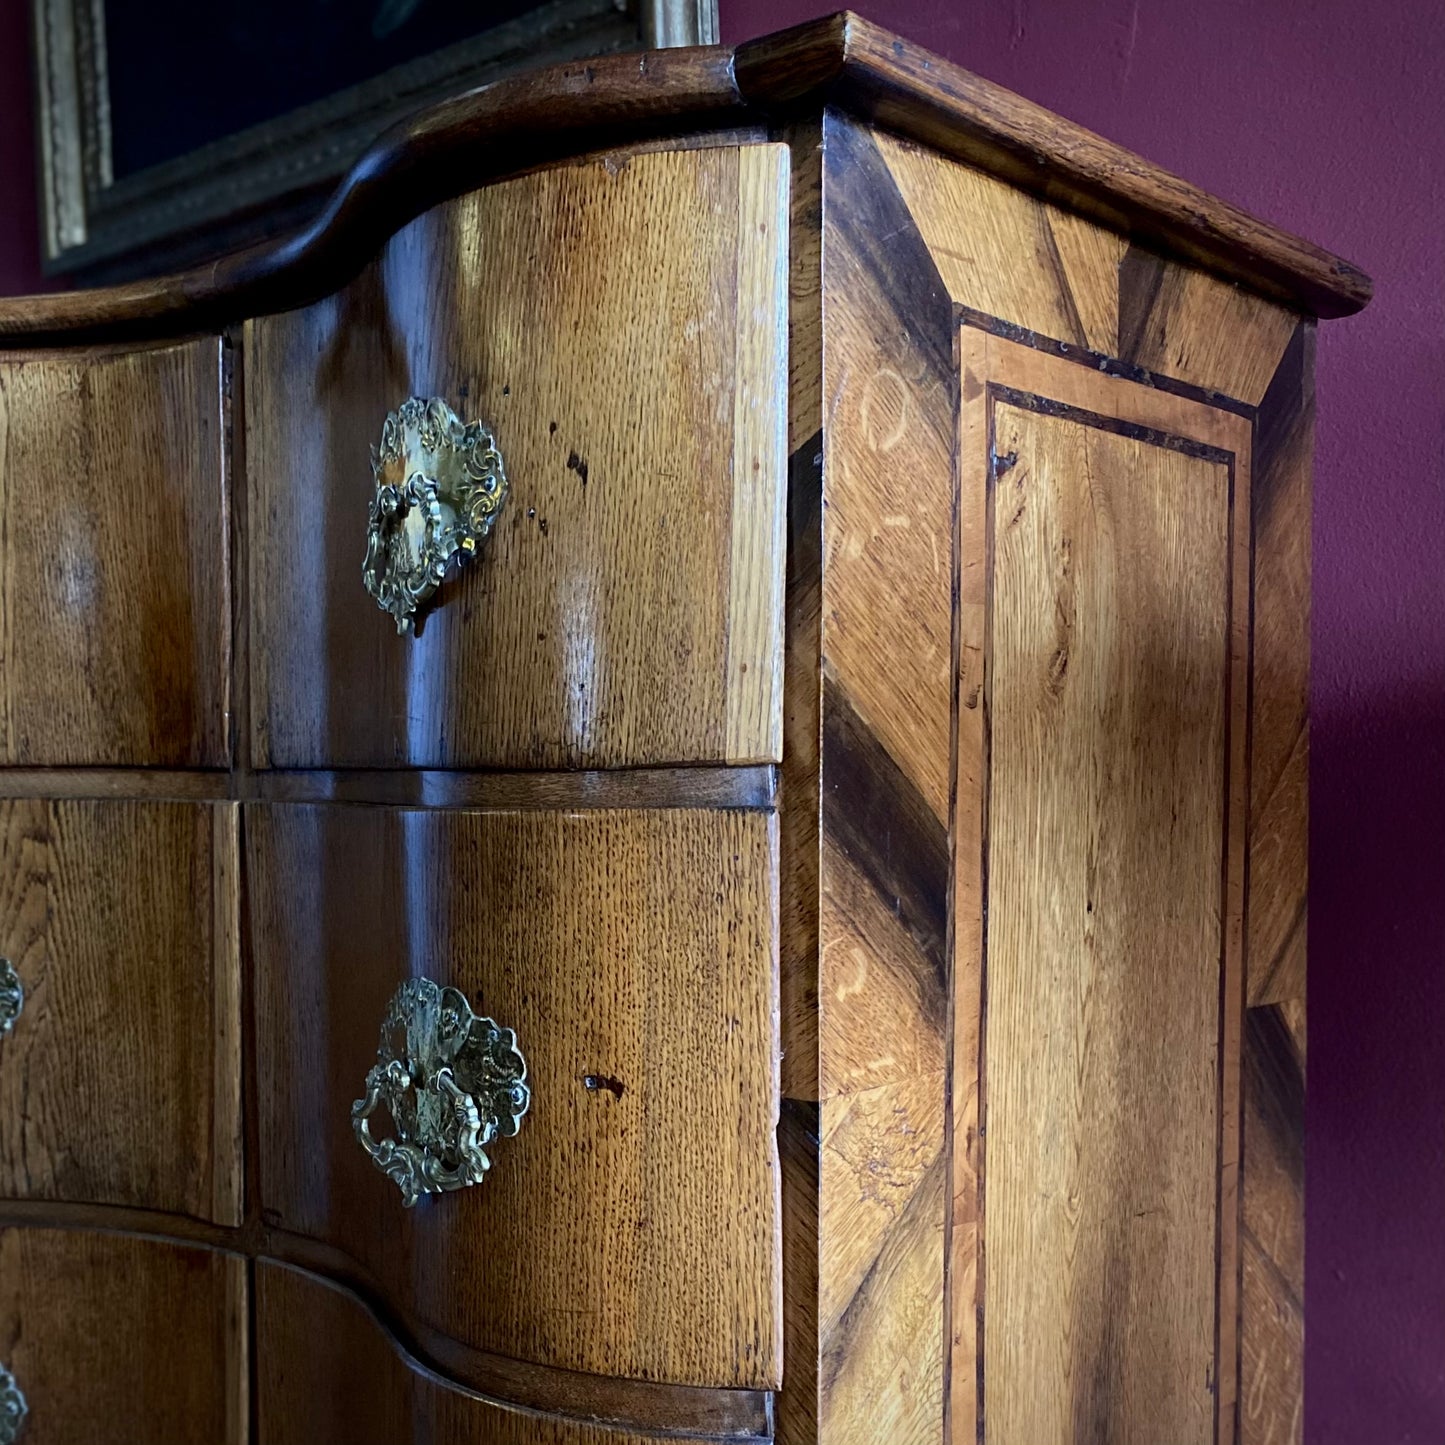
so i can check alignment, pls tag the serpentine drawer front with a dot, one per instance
(436, 1008)
(631, 1225)
(620, 330)
(113, 550)
(122, 1340)
(120, 1072)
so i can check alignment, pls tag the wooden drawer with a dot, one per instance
(621, 325)
(123, 1340)
(113, 559)
(120, 1077)
(328, 1371)
(632, 1225)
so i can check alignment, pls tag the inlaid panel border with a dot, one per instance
(1194, 428)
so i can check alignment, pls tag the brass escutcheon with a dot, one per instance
(439, 484)
(452, 1083)
(12, 996)
(13, 1408)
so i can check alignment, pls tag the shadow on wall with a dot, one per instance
(1375, 1152)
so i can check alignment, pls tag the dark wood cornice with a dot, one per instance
(569, 110)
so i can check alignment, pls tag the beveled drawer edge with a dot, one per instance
(152, 1224)
(149, 785)
(739, 787)
(644, 1407)
(750, 787)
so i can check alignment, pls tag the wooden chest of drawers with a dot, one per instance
(787, 922)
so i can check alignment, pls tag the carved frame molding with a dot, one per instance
(235, 190)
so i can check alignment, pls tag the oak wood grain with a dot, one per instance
(1011, 255)
(694, 787)
(136, 784)
(647, 1408)
(124, 1340)
(757, 518)
(328, 1371)
(690, 787)
(1203, 330)
(1279, 735)
(866, 803)
(1272, 1219)
(998, 249)
(1108, 646)
(549, 114)
(120, 1081)
(114, 614)
(1062, 472)
(628, 607)
(632, 1226)
(1272, 1239)
(799, 1147)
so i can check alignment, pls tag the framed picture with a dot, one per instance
(171, 131)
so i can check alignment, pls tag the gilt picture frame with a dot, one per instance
(105, 222)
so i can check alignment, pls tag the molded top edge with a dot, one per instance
(562, 111)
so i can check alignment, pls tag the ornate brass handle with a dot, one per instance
(12, 998)
(13, 1408)
(439, 486)
(452, 1082)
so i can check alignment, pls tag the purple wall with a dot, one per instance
(1326, 116)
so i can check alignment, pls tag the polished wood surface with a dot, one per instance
(130, 1341)
(120, 1081)
(1272, 1228)
(1279, 740)
(550, 114)
(562, 111)
(908, 1058)
(1090, 288)
(620, 326)
(692, 787)
(799, 1150)
(864, 1138)
(326, 1371)
(631, 1227)
(114, 616)
(1272, 1219)
(884, 766)
(698, 787)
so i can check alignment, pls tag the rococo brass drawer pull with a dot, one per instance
(451, 1081)
(12, 996)
(439, 486)
(13, 1409)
